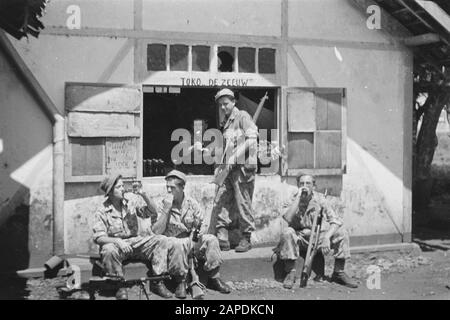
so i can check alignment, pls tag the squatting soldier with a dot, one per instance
(233, 200)
(123, 230)
(180, 217)
(333, 238)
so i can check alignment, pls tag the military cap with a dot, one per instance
(109, 182)
(178, 174)
(224, 92)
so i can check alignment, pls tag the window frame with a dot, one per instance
(143, 73)
(68, 165)
(68, 177)
(202, 178)
(285, 170)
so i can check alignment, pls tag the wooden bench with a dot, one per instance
(92, 279)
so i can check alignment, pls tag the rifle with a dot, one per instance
(196, 286)
(313, 246)
(224, 169)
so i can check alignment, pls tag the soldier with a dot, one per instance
(122, 229)
(294, 239)
(180, 217)
(233, 200)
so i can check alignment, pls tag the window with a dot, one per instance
(184, 57)
(200, 58)
(225, 59)
(169, 108)
(315, 131)
(166, 111)
(266, 60)
(246, 58)
(156, 57)
(179, 57)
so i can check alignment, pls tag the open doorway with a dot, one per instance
(169, 108)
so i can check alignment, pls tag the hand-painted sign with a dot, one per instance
(214, 82)
(121, 156)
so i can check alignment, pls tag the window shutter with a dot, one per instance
(314, 131)
(103, 130)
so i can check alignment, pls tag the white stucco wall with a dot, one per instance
(332, 48)
(25, 175)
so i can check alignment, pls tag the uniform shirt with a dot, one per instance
(134, 219)
(183, 221)
(237, 129)
(303, 218)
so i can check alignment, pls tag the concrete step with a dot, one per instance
(253, 264)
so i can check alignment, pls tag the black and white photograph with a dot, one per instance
(239, 152)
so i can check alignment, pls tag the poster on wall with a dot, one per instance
(121, 156)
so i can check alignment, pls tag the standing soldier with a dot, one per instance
(180, 217)
(333, 238)
(233, 200)
(122, 229)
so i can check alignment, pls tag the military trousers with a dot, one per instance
(205, 249)
(152, 250)
(233, 202)
(292, 242)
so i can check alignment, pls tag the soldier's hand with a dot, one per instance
(325, 246)
(305, 232)
(137, 187)
(124, 246)
(198, 146)
(167, 202)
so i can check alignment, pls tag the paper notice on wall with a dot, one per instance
(121, 156)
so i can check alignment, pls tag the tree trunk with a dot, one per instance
(425, 147)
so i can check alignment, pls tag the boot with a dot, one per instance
(224, 245)
(222, 235)
(244, 245)
(339, 276)
(291, 273)
(160, 289)
(122, 294)
(318, 266)
(343, 279)
(180, 291)
(289, 281)
(218, 285)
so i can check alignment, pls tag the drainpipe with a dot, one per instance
(58, 185)
(57, 120)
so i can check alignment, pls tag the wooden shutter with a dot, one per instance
(313, 126)
(103, 130)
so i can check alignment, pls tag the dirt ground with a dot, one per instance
(412, 277)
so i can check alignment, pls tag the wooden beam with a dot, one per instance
(284, 42)
(161, 35)
(422, 39)
(85, 124)
(302, 67)
(100, 98)
(414, 13)
(362, 45)
(434, 10)
(399, 11)
(44, 101)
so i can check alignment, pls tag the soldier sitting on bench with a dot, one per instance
(180, 216)
(122, 229)
(294, 239)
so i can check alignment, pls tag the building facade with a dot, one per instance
(124, 74)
